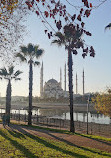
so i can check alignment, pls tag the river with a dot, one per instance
(63, 114)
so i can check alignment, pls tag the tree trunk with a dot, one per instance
(30, 93)
(70, 63)
(8, 98)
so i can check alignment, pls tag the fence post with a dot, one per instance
(54, 122)
(47, 122)
(36, 119)
(43, 120)
(99, 129)
(25, 117)
(91, 128)
(60, 123)
(15, 116)
(19, 115)
(63, 123)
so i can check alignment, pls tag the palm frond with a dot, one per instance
(36, 47)
(17, 73)
(58, 42)
(21, 57)
(108, 26)
(30, 48)
(23, 49)
(9, 75)
(18, 79)
(7, 78)
(60, 39)
(38, 53)
(3, 72)
(36, 63)
(60, 35)
(11, 69)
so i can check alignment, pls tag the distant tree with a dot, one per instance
(6, 9)
(29, 54)
(9, 75)
(103, 103)
(12, 16)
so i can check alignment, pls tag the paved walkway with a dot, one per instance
(74, 140)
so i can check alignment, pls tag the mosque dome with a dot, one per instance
(52, 81)
(52, 88)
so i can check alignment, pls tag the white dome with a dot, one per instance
(52, 81)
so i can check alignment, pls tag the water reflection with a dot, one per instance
(65, 114)
(78, 116)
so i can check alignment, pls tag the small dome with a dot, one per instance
(52, 81)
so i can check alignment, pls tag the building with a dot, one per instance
(52, 88)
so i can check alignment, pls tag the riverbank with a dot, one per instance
(64, 106)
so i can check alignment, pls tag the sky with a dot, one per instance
(97, 70)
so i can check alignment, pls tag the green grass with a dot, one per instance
(96, 137)
(68, 132)
(14, 144)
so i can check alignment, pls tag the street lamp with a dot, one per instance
(88, 101)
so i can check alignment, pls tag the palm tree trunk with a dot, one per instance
(30, 93)
(70, 63)
(8, 98)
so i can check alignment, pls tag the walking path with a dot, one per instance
(74, 140)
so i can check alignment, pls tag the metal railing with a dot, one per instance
(80, 127)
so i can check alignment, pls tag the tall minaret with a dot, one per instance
(41, 81)
(83, 81)
(65, 78)
(76, 85)
(60, 77)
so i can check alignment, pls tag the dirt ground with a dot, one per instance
(74, 140)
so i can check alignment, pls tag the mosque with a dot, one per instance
(52, 88)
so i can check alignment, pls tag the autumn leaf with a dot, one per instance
(46, 14)
(79, 17)
(45, 31)
(91, 5)
(37, 12)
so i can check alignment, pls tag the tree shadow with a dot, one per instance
(23, 149)
(50, 145)
(72, 144)
(81, 147)
(14, 133)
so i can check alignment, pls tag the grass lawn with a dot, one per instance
(68, 132)
(14, 145)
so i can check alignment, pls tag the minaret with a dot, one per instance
(83, 81)
(76, 85)
(41, 81)
(60, 77)
(65, 78)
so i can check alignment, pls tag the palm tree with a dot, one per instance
(29, 54)
(71, 39)
(9, 75)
